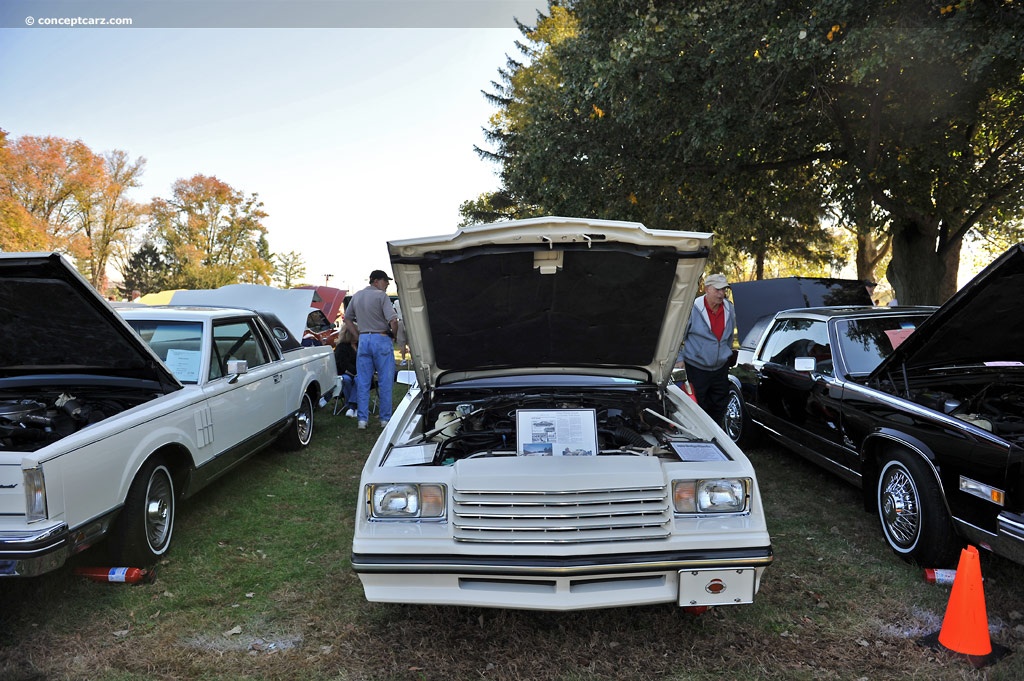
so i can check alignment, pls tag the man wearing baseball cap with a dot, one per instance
(707, 346)
(371, 317)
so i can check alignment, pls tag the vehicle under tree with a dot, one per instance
(921, 407)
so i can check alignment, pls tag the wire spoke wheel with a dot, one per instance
(733, 422)
(913, 513)
(899, 507)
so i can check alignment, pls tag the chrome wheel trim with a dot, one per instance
(733, 421)
(304, 421)
(159, 509)
(899, 507)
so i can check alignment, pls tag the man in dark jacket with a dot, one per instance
(707, 346)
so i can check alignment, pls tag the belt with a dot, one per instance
(376, 333)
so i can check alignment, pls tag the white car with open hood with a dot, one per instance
(544, 459)
(108, 423)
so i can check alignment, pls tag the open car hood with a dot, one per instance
(53, 322)
(327, 298)
(980, 324)
(756, 300)
(548, 295)
(291, 306)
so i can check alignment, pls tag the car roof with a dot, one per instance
(826, 313)
(181, 312)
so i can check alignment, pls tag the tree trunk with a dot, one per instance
(921, 271)
(870, 252)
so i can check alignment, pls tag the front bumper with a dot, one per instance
(1009, 539)
(706, 578)
(28, 553)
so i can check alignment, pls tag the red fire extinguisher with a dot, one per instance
(126, 575)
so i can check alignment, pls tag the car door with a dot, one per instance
(243, 408)
(801, 400)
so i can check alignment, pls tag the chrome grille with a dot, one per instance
(552, 517)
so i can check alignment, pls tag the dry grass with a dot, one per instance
(259, 586)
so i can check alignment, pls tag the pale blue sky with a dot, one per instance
(351, 136)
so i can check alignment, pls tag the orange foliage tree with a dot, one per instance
(58, 195)
(212, 234)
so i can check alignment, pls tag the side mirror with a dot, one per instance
(406, 377)
(237, 367)
(804, 364)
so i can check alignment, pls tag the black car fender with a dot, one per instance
(872, 453)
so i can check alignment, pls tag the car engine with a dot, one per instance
(996, 407)
(629, 423)
(28, 424)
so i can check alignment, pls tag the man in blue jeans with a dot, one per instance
(371, 315)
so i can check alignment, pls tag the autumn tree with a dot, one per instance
(19, 230)
(211, 234)
(57, 195)
(43, 176)
(106, 215)
(289, 268)
(901, 121)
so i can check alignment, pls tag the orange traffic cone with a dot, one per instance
(965, 626)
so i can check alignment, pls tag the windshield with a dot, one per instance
(866, 342)
(178, 344)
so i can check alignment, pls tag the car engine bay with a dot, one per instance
(997, 407)
(628, 423)
(29, 423)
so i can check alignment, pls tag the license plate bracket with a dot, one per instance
(732, 586)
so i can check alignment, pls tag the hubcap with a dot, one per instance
(734, 418)
(158, 510)
(899, 508)
(304, 423)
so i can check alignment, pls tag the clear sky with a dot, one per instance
(350, 136)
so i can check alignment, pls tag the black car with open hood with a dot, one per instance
(923, 408)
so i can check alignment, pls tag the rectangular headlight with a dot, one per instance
(35, 494)
(406, 501)
(716, 495)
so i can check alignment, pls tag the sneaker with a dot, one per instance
(383, 424)
(361, 425)
(351, 413)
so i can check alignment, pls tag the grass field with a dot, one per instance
(258, 586)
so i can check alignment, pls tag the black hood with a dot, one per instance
(53, 322)
(980, 324)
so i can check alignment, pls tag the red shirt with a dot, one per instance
(717, 319)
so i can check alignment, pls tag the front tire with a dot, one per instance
(913, 514)
(300, 433)
(144, 528)
(736, 423)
